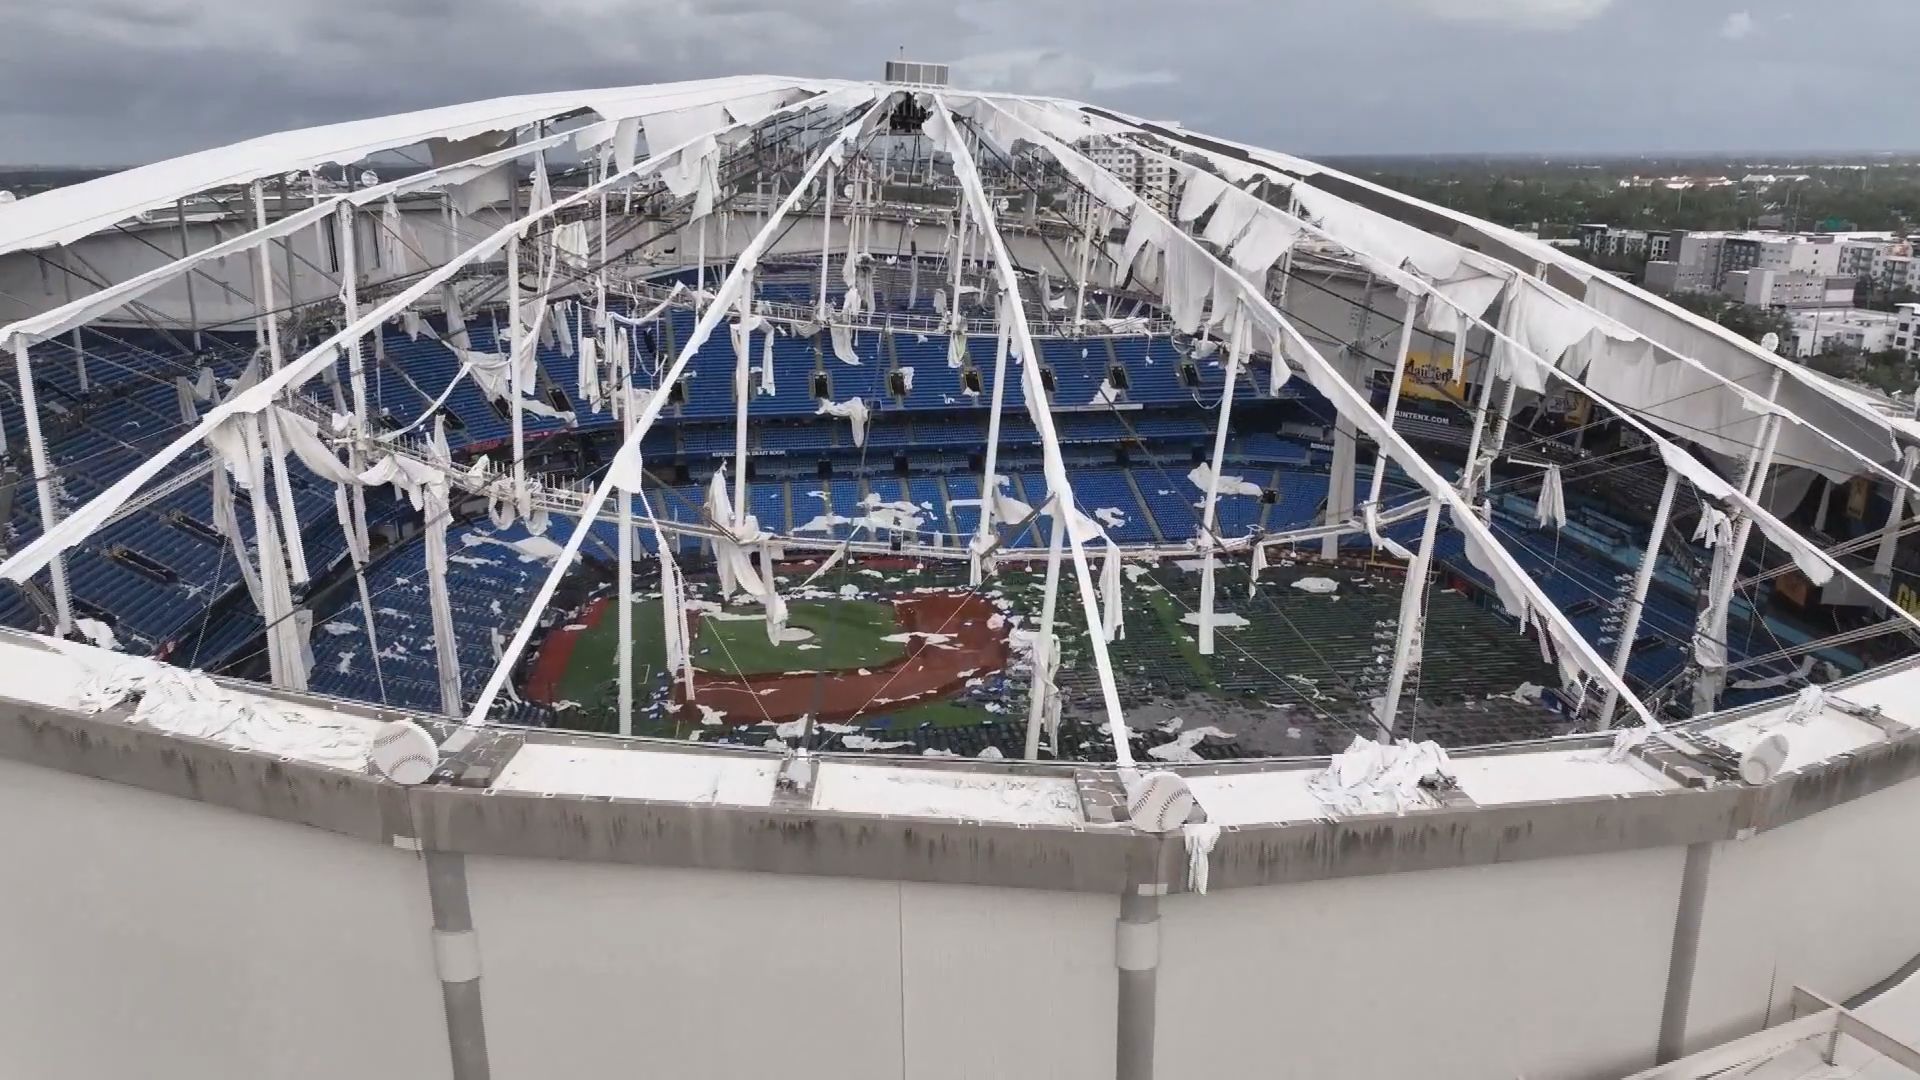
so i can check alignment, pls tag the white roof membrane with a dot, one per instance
(64, 214)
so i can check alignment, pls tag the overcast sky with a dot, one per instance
(124, 81)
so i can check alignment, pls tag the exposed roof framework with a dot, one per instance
(1218, 260)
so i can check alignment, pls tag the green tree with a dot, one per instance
(1889, 371)
(1750, 322)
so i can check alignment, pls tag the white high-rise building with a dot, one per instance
(1150, 178)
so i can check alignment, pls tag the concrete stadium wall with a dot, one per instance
(147, 935)
(175, 909)
(719, 975)
(1828, 903)
(1549, 968)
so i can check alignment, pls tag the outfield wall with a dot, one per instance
(175, 908)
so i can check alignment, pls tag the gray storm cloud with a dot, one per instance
(119, 81)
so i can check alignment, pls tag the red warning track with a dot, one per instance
(543, 681)
(928, 671)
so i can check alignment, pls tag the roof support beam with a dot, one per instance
(1637, 601)
(1053, 465)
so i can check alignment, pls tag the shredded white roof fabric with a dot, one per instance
(1368, 778)
(71, 675)
(68, 213)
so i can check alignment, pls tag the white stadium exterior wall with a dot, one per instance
(708, 976)
(1549, 968)
(146, 935)
(163, 936)
(1826, 903)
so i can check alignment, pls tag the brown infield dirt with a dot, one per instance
(926, 673)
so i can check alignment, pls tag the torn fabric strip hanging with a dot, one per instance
(1552, 507)
(853, 410)
(229, 457)
(843, 344)
(1112, 609)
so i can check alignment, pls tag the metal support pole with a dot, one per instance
(276, 598)
(826, 238)
(350, 297)
(1413, 616)
(1509, 325)
(1137, 956)
(1086, 254)
(1346, 448)
(357, 383)
(186, 249)
(985, 535)
(1235, 353)
(456, 960)
(959, 247)
(272, 572)
(1500, 426)
(276, 445)
(1286, 261)
(515, 333)
(1890, 532)
(42, 484)
(1636, 604)
(1479, 430)
(625, 599)
(79, 353)
(1340, 482)
(1469, 483)
(742, 391)
(1044, 646)
(446, 644)
(621, 369)
(1393, 401)
(600, 273)
(1753, 482)
(1684, 954)
(286, 246)
(700, 273)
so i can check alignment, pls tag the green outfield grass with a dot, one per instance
(940, 714)
(846, 634)
(591, 673)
